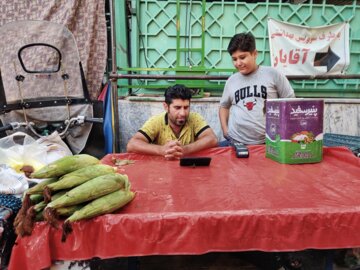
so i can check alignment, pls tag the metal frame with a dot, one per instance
(114, 90)
(115, 76)
(225, 77)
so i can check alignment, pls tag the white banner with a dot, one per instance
(300, 50)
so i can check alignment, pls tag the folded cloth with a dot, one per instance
(9, 205)
(5, 213)
(5, 228)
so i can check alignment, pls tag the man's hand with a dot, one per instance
(173, 150)
(139, 144)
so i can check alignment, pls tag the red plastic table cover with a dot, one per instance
(233, 205)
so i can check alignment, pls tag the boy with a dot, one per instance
(242, 106)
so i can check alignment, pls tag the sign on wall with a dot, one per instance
(300, 50)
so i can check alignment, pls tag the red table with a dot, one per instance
(232, 205)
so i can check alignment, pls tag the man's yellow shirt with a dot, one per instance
(158, 131)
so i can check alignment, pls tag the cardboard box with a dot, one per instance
(294, 130)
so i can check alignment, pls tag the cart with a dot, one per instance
(42, 90)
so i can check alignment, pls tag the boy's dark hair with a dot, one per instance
(177, 91)
(244, 42)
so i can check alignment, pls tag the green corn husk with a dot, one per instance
(39, 208)
(39, 216)
(33, 214)
(80, 176)
(41, 205)
(65, 165)
(36, 198)
(58, 194)
(52, 216)
(28, 201)
(26, 224)
(103, 205)
(68, 211)
(39, 188)
(90, 190)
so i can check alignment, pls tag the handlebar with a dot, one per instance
(13, 125)
(6, 127)
(75, 121)
(94, 120)
(78, 121)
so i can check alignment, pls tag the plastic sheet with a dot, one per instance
(232, 205)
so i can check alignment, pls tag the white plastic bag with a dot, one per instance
(12, 182)
(20, 149)
(56, 147)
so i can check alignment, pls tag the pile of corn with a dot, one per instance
(77, 187)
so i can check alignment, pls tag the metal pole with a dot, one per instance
(115, 76)
(114, 90)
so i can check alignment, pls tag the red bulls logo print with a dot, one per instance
(249, 104)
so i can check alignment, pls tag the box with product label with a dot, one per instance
(294, 130)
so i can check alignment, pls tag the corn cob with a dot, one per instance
(39, 188)
(52, 216)
(80, 176)
(39, 216)
(68, 211)
(65, 165)
(25, 219)
(41, 205)
(32, 213)
(36, 198)
(90, 190)
(27, 202)
(103, 205)
(58, 194)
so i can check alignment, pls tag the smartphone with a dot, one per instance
(195, 161)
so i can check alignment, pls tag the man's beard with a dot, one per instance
(180, 122)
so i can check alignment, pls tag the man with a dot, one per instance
(175, 133)
(242, 106)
